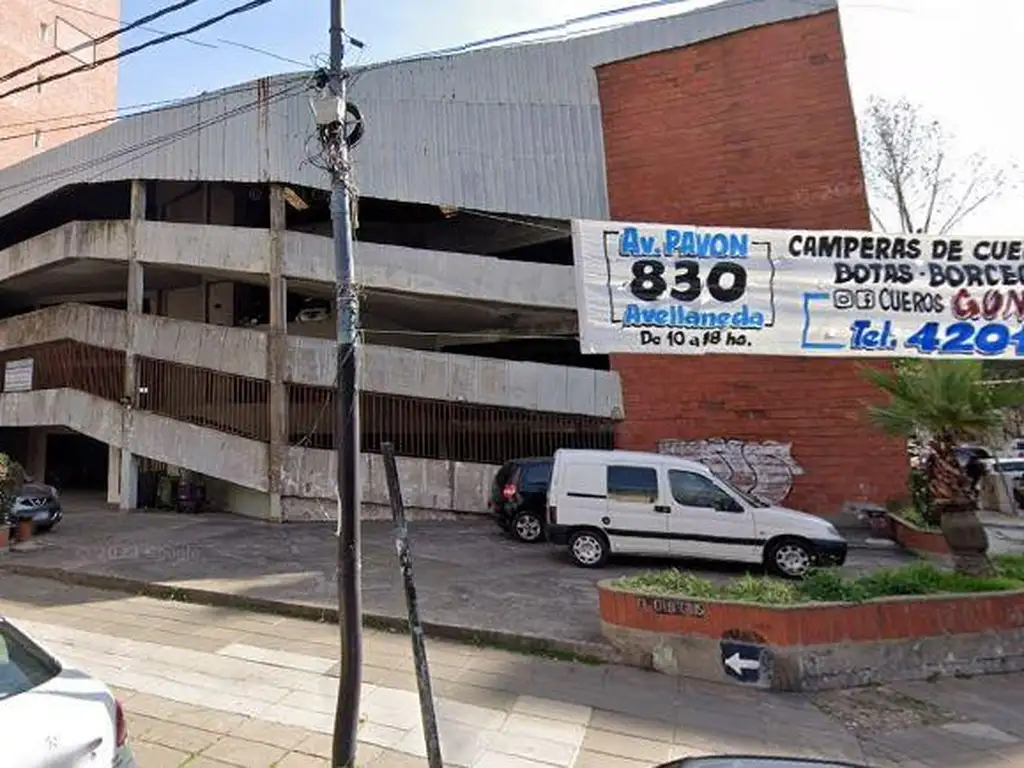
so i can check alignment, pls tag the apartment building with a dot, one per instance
(166, 282)
(50, 114)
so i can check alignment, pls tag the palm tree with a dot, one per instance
(949, 402)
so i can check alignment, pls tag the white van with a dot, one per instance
(623, 502)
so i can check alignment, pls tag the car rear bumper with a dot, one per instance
(499, 513)
(125, 758)
(830, 552)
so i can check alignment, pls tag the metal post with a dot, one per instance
(419, 652)
(346, 427)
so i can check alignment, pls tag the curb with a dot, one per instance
(570, 650)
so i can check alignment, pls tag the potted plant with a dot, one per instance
(11, 479)
(951, 403)
(5, 530)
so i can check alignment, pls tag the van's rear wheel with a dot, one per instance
(589, 549)
(528, 527)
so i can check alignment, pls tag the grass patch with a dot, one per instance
(830, 586)
(913, 516)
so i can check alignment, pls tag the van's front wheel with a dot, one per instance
(789, 558)
(589, 549)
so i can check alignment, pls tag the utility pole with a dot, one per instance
(346, 427)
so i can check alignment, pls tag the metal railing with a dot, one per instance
(238, 405)
(68, 364)
(447, 430)
(234, 404)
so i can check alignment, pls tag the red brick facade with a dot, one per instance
(753, 129)
(29, 31)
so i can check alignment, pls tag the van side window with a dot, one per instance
(636, 485)
(693, 490)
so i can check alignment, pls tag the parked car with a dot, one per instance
(55, 715)
(1010, 467)
(609, 502)
(519, 497)
(39, 503)
(755, 761)
(964, 454)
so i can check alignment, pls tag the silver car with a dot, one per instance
(39, 503)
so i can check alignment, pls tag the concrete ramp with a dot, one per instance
(215, 454)
(431, 486)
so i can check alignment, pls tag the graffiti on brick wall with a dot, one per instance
(765, 469)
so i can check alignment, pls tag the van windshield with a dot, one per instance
(749, 498)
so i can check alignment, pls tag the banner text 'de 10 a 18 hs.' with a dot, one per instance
(656, 289)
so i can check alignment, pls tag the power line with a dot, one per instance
(145, 107)
(143, 148)
(105, 17)
(107, 116)
(97, 41)
(563, 26)
(192, 41)
(58, 129)
(142, 46)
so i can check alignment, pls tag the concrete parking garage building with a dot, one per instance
(169, 277)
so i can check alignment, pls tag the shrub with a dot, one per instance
(829, 585)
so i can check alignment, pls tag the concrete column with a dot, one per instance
(276, 350)
(129, 465)
(36, 463)
(113, 475)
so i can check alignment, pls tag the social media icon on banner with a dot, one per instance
(843, 298)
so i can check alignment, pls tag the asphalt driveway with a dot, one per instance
(468, 573)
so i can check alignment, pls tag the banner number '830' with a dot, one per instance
(726, 281)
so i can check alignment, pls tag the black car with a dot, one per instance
(519, 497)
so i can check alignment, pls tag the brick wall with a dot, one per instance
(752, 129)
(23, 39)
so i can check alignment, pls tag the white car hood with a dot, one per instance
(68, 722)
(795, 521)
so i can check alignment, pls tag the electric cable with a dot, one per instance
(143, 148)
(99, 40)
(192, 41)
(115, 20)
(245, 8)
(146, 107)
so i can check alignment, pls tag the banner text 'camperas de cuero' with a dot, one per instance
(656, 289)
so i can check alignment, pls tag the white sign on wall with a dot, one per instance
(657, 289)
(18, 375)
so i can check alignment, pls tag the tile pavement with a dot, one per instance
(213, 687)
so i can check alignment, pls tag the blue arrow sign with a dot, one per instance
(742, 661)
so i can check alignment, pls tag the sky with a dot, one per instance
(956, 59)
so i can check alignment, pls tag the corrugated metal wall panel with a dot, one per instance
(514, 129)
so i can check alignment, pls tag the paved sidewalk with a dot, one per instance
(468, 574)
(211, 687)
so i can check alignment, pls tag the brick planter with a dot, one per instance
(909, 536)
(817, 646)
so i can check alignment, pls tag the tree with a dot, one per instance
(915, 178)
(946, 403)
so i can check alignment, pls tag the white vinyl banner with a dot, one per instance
(657, 289)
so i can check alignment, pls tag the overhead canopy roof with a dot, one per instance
(511, 128)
